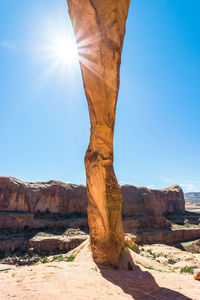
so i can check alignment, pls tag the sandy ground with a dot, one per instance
(171, 258)
(84, 280)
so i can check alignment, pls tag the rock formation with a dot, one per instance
(193, 247)
(52, 196)
(197, 274)
(99, 27)
(171, 199)
(58, 204)
(41, 243)
(168, 236)
(140, 210)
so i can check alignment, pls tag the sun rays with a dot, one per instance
(58, 52)
(63, 50)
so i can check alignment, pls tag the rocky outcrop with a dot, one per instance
(141, 211)
(20, 221)
(58, 204)
(41, 243)
(197, 274)
(168, 236)
(193, 247)
(99, 27)
(52, 196)
(171, 199)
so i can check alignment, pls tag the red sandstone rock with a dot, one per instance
(23, 205)
(197, 274)
(194, 247)
(53, 196)
(170, 199)
(141, 210)
(42, 244)
(168, 236)
(99, 27)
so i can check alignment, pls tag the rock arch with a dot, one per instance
(99, 27)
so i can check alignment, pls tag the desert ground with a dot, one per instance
(157, 272)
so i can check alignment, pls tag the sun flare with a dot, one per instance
(64, 50)
(61, 53)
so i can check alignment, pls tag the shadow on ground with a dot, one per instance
(140, 285)
(46, 241)
(186, 218)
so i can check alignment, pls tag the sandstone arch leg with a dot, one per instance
(99, 27)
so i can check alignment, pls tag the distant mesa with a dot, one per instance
(192, 197)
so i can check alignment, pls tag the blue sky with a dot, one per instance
(44, 122)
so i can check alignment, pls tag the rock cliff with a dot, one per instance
(54, 203)
(171, 199)
(52, 196)
(141, 210)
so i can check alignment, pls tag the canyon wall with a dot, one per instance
(171, 199)
(57, 204)
(52, 196)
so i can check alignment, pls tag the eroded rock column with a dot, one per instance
(99, 27)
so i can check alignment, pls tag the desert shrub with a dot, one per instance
(44, 260)
(154, 255)
(54, 258)
(173, 270)
(132, 247)
(71, 258)
(171, 261)
(159, 270)
(58, 258)
(188, 269)
(151, 253)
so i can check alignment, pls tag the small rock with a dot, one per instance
(12, 249)
(129, 239)
(30, 251)
(189, 258)
(197, 274)
(162, 260)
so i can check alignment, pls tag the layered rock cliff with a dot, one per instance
(141, 210)
(54, 203)
(52, 196)
(171, 199)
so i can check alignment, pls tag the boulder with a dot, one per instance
(197, 274)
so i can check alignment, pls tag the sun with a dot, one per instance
(64, 50)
